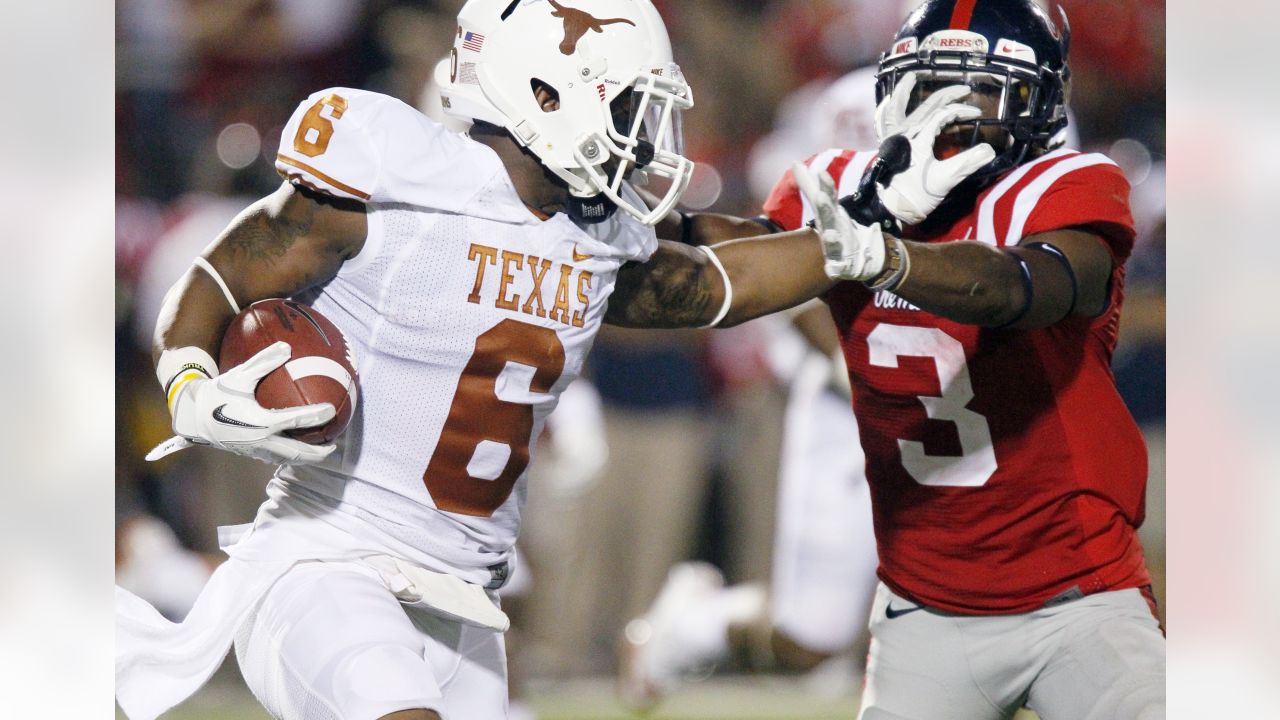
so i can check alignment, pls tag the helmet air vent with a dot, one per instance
(551, 102)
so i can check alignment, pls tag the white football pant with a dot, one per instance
(329, 640)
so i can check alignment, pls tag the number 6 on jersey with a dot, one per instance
(484, 445)
(315, 131)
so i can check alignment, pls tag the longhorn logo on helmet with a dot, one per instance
(577, 23)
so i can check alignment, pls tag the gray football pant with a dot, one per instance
(1101, 657)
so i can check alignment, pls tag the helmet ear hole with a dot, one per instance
(547, 97)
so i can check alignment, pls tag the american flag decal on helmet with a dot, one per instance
(473, 41)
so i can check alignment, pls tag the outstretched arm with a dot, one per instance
(680, 286)
(1042, 280)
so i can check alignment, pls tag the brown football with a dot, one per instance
(320, 368)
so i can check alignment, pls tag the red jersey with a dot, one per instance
(1005, 469)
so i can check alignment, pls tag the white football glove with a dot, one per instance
(915, 192)
(222, 412)
(853, 251)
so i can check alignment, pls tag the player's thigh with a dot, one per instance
(1110, 664)
(469, 663)
(918, 667)
(330, 641)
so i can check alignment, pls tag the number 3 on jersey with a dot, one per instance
(977, 461)
(484, 445)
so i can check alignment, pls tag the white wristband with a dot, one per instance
(226, 291)
(179, 365)
(728, 287)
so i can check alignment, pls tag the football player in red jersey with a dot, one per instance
(978, 323)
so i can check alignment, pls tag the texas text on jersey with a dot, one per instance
(1005, 469)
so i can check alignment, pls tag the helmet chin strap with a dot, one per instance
(591, 210)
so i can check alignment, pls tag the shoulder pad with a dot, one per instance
(326, 144)
(372, 147)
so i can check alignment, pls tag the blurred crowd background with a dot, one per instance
(687, 453)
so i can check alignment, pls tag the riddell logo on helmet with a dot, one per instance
(577, 23)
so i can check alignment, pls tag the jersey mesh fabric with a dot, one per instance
(413, 303)
(1027, 472)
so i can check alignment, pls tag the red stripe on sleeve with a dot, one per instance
(838, 165)
(784, 206)
(962, 14)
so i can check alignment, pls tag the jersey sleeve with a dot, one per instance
(1095, 196)
(371, 147)
(786, 206)
(327, 145)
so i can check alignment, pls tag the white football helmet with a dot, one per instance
(603, 58)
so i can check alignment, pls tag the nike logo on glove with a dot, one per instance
(219, 417)
(890, 613)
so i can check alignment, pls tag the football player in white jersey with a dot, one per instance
(470, 275)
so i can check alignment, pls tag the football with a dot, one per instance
(321, 368)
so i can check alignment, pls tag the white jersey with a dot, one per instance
(467, 317)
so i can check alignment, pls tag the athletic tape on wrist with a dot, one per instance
(892, 282)
(178, 366)
(728, 287)
(226, 291)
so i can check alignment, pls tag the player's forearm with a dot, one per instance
(680, 286)
(772, 273)
(967, 282)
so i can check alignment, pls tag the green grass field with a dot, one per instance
(592, 699)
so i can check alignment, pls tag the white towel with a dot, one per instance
(161, 663)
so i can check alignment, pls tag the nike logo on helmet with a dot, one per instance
(890, 613)
(219, 417)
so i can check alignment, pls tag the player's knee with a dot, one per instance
(794, 656)
(384, 680)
